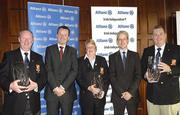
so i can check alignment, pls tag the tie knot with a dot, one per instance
(159, 49)
(61, 47)
(26, 54)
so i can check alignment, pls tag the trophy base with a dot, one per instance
(153, 80)
(23, 84)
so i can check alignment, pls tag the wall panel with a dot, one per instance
(13, 22)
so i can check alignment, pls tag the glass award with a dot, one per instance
(152, 69)
(22, 73)
(97, 80)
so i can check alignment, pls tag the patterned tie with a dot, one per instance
(124, 59)
(158, 55)
(61, 53)
(26, 60)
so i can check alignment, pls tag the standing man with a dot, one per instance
(125, 75)
(20, 98)
(163, 97)
(62, 67)
(93, 81)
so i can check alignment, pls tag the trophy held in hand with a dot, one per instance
(153, 73)
(22, 73)
(97, 80)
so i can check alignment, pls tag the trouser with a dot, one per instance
(154, 109)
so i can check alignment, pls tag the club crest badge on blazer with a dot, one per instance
(173, 62)
(37, 68)
(101, 71)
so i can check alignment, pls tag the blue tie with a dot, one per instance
(26, 60)
(124, 59)
(158, 55)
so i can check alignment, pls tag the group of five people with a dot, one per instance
(93, 75)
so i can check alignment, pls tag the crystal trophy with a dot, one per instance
(22, 73)
(97, 80)
(153, 71)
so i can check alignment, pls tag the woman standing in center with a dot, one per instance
(93, 80)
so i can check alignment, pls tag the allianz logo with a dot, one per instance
(126, 26)
(103, 54)
(101, 40)
(123, 12)
(109, 12)
(104, 26)
(101, 12)
(110, 40)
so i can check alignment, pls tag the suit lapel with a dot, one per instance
(118, 59)
(151, 52)
(95, 64)
(88, 64)
(18, 57)
(65, 54)
(56, 53)
(166, 53)
(128, 59)
(32, 59)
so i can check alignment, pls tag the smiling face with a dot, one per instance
(90, 50)
(26, 40)
(62, 36)
(159, 36)
(122, 40)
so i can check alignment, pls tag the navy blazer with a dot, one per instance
(86, 74)
(166, 91)
(14, 103)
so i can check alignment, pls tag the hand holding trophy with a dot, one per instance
(97, 80)
(153, 73)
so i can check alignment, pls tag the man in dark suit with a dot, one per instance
(93, 81)
(125, 75)
(163, 97)
(62, 67)
(21, 98)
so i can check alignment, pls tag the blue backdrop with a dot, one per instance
(43, 21)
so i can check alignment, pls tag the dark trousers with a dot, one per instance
(89, 107)
(119, 107)
(53, 107)
(28, 110)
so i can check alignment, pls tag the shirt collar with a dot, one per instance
(87, 57)
(62, 46)
(162, 47)
(123, 50)
(22, 52)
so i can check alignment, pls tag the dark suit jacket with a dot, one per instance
(127, 80)
(61, 73)
(14, 103)
(166, 91)
(86, 74)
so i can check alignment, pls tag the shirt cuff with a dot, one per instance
(10, 90)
